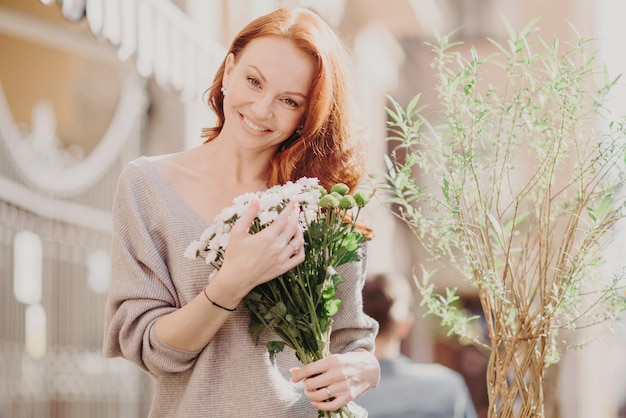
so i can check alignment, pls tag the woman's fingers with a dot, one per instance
(287, 230)
(287, 224)
(259, 257)
(332, 382)
(244, 223)
(322, 379)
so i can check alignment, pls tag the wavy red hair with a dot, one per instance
(329, 146)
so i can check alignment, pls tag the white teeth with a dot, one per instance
(251, 125)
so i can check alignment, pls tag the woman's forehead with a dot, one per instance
(279, 60)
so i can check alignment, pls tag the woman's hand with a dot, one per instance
(333, 382)
(252, 259)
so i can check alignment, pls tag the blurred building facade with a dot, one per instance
(88, 85)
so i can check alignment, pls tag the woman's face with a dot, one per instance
(266, 92)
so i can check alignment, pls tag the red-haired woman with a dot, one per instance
(281, 99)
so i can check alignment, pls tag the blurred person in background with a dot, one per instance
(407, 389)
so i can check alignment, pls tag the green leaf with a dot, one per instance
(254, 328)
(273, 348)
(446, 190)
(411, 107)
(332, 306)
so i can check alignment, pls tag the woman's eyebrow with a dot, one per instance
(263, 79)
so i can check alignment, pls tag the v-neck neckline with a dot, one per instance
(154, 173)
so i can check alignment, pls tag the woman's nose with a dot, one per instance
(262, 106)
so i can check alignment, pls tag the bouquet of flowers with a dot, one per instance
(298, 305)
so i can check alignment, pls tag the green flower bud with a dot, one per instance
(347, 202)
(336, 195)
(329, 202)
(340, 188)
(360, 199)
(322, 190)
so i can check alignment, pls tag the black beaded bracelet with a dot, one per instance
(217, 304)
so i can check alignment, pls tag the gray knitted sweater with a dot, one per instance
(231, 376)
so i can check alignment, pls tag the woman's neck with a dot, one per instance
(243, 170)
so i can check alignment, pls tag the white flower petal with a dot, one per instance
(192, 250)
(266, 218)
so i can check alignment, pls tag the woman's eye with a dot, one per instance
(290, 102)
(253, 82)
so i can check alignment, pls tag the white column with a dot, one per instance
(377, 60)
(198, 115)
(602, 365)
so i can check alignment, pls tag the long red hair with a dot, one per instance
(329, 146)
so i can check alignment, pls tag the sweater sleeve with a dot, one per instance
(352, 328)
(141, 289)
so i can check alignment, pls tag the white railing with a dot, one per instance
(46, 165)
(167, 43)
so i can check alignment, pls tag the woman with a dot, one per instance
(282, 113)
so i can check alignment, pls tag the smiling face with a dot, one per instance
(267, 89)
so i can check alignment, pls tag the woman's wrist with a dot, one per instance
(214, 303)
(223, 292)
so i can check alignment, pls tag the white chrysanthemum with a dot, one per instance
(290, 190)
(211, 256)
(214, 243)
(223, 228)
(267, 217)
(227, 214)
(308, 182)
(207, 236)
(223, 240)
(192, 250)
(269, 201)
(308, 198)
(308, 215)
(243, 200)
(277, 187)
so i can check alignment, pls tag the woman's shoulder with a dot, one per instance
(134, 175)
(144, 162)
(140, 185)
(161, 159)
(139, 179)
(172, 166)
(144, 168)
